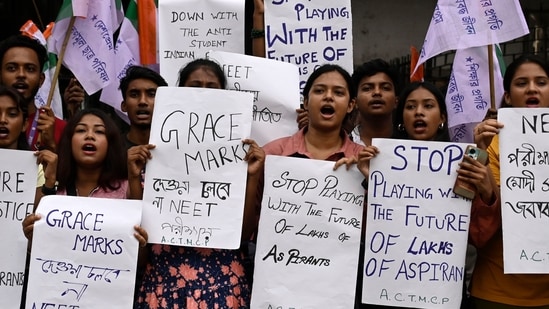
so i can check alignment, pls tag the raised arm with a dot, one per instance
(256, 161)
(137, 158)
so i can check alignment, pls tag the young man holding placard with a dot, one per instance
(138, 89)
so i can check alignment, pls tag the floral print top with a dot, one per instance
(188, 277)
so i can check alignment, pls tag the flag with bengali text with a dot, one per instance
(90, 52)
(126, 54)
(468, 93)
(30, 29)
(468, 23)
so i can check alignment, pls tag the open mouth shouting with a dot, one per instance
(420, 126)
(4, 132)
(21, 87)
(327, 111)
(532, 102)
(89, 149)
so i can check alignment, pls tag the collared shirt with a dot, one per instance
(295, 146)
(355, 136)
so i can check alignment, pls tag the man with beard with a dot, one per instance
(22, 60)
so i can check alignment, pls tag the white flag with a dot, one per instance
(126, 54)
(468, 95)
(468, 23)
(90, 52)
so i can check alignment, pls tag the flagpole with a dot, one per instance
(60, 60)
(56, 73)
(491, 76)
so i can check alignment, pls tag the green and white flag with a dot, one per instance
(41, 98)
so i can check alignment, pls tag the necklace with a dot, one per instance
(89, 194)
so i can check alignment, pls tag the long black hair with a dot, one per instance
(202, 63)
(7, 91)
(114, 168)
(513, 67)
(443, 134)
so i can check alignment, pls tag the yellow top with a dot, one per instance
(489, 282)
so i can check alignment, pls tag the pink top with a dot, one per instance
(294, 146)
(120, 193)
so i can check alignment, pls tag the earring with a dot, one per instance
(441, 126)
(400, 127)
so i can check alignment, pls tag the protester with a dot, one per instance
(526, 84)
(376, 100)
(138, 89)
(421, 115)
(22, 59)
(91, 162)
(328, 98)
(13, 122)
(189, 277)
(202, 73)
(13, 119)
(376, 84)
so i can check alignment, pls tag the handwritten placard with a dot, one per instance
(524, 182)
(84, 253)
(187, 29)
(309, 235)
(274, 110)
(195, 183)
(416, 231)
(309, 33)
(18, 171)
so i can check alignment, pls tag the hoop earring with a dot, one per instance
(441, 126)
(400, 127)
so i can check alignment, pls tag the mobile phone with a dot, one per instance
(463, 188)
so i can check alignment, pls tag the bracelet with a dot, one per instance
(48, 190)
(257, 33)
